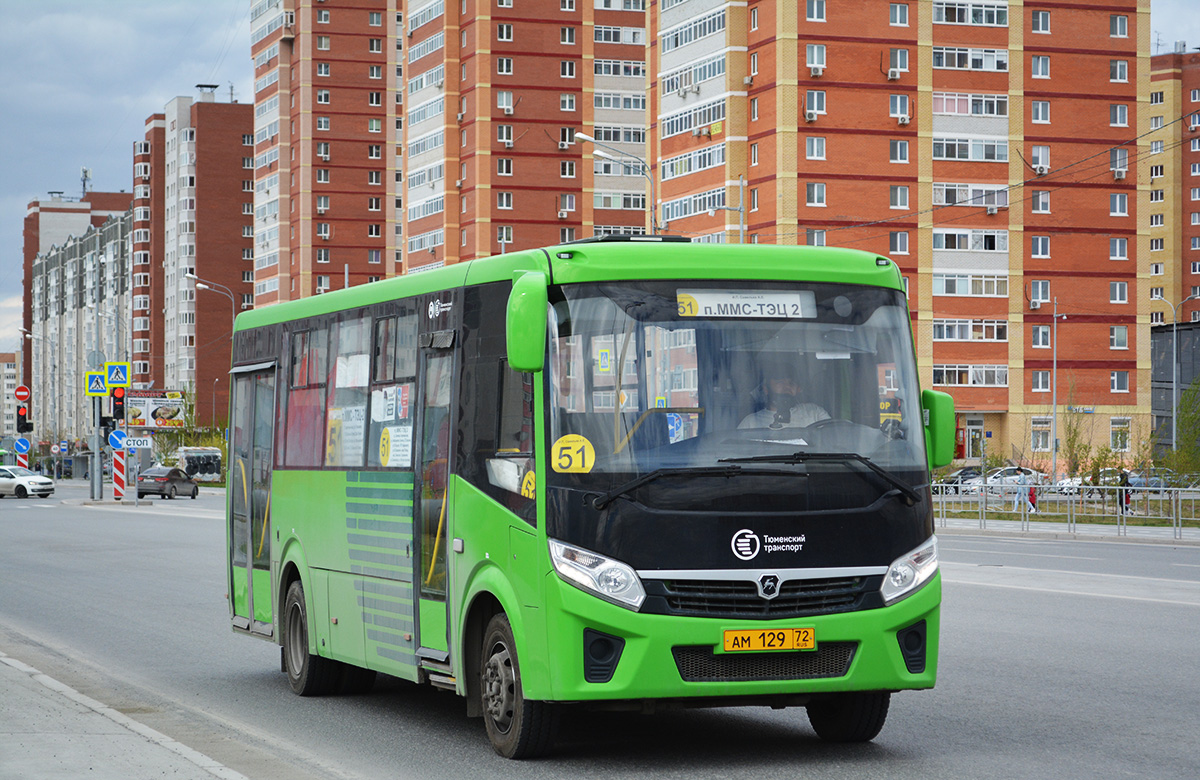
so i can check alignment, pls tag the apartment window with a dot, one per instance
(1157, 269)
(1040, 66)
(1156, 245)
(898, 15)
(566, 69)
(504, 32)
(1039, 290)
(323, 96)
(1156, 172)
(1119, 426)
(1156, 147)
(1118, 159)
(1040, 22)
(753, 18)
(504, 166)
(1156, 98)
(322, 123)
(1118, 292)
(1156, 123)
(504, 200)
(1039, 246)
(374, 98)
(1040, 383)
(322, 16)
(815, 55)
(247, 185)
(898, 242)
(815, 100)
(566, 102)
(375, 19)
(1118, 115)
(814, 147)
(753, 109)
(814, 237)
(1041, 111)
(375, 45)
(898, 151)
(898, 59)
(753, 154)
(1118, 337)
(1156, 293)
(504, 66)
(322, 43)
(322, 175)
(1118, 26)
(1157, 318)
(247, 162)
(1039, 202)
(375, 71)
(1118, 204)
(322, 255)
(1118, 249)
(322, 68)
(1039, 337)
(898, 105)
(374, 231)
(898, 196)
(566, 169)
(1118, 70)
(374, 151)
(815, 193)
(374, 177)
(566, 201)
(1157, 196)
(374, 204)
(566, 35)
(815, 10)
(1039, 156)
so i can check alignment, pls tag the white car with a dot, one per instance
(1002, 479)
(19, 482)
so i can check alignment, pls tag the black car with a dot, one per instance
(166, 482)
(952, 482)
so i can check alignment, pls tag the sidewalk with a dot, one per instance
(50, 731)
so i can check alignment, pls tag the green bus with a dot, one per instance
(626, 472)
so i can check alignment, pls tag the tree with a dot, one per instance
(1075, 435)
(1186, 458)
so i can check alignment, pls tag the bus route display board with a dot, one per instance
(155, 409)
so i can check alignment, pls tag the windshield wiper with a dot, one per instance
(602, 501)
(910, 496)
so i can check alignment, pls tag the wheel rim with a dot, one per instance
(499, 688)
(297, 642)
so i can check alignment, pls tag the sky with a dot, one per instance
(81, 76)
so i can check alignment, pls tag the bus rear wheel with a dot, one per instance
(308, 675)
(517, 727)
(849, 717)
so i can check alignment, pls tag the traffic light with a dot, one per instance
(23, 423)
(118, 404)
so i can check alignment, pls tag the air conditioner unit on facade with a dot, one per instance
(695, 131)
(748, 80)
(992, 210)
(681, 91)
(508, 110)
(438, 83)
(459, 118)
(1041, 170)
(810, 116)
(706, 131)
(1035, 305)
(696, 88)
(1119, 174)
(562, 215)
(816, 71)
(508, 144)
(903, 119)
(320, 210)
(893, 74)
(563, 145)
(458, 183)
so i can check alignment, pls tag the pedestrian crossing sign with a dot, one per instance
(117, 374)
(95, 385)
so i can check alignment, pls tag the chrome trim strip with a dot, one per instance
(752, 575)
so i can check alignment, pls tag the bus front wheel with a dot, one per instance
(308, 675)
(849, 717)
(517, 727)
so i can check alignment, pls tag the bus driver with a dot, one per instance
(783, 409)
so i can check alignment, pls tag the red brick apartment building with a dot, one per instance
(392, 138)
(1174, 111)
(192, 214)
(992, 151)
(49, 223)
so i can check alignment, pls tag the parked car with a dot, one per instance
(1153, 479)
(999, 480)
(166, 482)
(21, 482)
(952, 482)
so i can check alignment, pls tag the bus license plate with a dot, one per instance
(777, 639)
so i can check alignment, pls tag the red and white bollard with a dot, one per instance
(118, 474)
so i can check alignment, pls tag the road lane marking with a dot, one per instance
(1029, 555)
(1079, 593)
(1158, 590)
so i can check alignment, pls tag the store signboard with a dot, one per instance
(155, 409)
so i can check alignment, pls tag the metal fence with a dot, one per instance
(1111, 507)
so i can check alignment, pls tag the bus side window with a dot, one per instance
(511, 468)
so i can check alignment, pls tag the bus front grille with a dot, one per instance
(740, 599)
(701, 664)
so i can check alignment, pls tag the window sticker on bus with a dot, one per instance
(747, 304)
(395, 446)
(529, 485)
(353, 370)
(573, 454)
(390, 403)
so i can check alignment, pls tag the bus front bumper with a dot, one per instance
(632, 656)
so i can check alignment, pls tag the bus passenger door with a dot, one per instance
(249, 482)
(434, 462)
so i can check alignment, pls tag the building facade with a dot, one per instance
(192, 245)
(991, 151)
(10, 377)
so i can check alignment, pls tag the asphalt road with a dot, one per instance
(1060, 659)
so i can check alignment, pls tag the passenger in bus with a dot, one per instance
(782, 393)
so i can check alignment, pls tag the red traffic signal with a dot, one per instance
(23, 424)
(118, 403)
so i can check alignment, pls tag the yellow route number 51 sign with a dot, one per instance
(573, 454)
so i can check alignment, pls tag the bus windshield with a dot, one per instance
(657, 375)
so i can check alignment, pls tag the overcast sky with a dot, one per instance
(81, 76)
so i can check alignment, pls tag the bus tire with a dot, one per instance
(518, 728)
(850, 717)
(308, 675)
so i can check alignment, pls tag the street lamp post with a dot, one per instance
(53, 393)
(644, 170)
(1054, 395)
(202, 284)
(1175, 365)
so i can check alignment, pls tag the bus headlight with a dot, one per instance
(910, 571)
(610, 580)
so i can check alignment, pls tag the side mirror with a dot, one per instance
(939, 427)
(525, 323)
